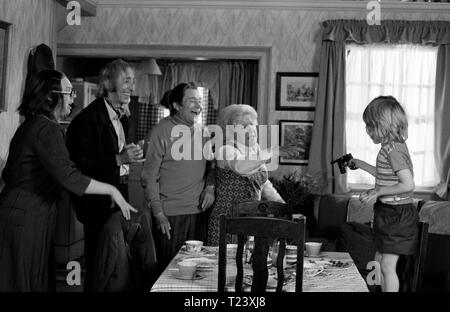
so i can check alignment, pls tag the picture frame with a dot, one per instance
(4, 43)
(296, 91)
(296, 133)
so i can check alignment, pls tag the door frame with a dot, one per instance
(263, 54)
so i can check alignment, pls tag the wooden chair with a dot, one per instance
(420, 258)
(265, 230)
(259, 208)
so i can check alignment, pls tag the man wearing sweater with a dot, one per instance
(178, 191)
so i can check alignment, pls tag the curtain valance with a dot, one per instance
(390, 31)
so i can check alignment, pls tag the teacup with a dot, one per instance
(291, 251)
(187, 269)
(194, 246)
(313, 248)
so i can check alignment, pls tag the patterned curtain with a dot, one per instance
(149, 116)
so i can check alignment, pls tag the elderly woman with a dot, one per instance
(37, 170)
(241, 173)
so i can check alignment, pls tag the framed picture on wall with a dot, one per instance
(4, 39)
(296, 133)
(296, 91)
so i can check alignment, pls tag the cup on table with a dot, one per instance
(313, 248)
(291, 251)
(194, 245)
(187, 269)
(291, 254)
(231, 250)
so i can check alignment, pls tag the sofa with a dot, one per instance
(342, 223)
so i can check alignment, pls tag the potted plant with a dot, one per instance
(298, 189)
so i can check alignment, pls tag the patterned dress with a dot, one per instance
(232, 187)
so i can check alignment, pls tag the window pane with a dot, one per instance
(406, 72)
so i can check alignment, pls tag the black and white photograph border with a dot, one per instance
(296, 133)
(296, 91)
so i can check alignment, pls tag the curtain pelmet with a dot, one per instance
(390, 31)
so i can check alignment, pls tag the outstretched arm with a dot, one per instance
(360, 164)
(100, 188)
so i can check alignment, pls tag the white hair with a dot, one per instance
(236, 114)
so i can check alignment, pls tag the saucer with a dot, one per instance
(178, 276)
(204, 264)
(203, 252)
(320, 255)
(310, 272)
(271, 281)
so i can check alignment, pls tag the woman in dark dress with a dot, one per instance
(37, 170)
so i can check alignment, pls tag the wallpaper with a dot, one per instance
(32, 24)
(293, 35)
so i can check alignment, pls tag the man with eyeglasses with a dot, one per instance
(97, 143)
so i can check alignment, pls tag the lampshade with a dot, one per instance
(149, 66)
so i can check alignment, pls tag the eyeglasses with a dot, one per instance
(71, 93)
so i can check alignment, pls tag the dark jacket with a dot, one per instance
(126, 257)
(92, 144)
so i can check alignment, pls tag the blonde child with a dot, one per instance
(395, 217)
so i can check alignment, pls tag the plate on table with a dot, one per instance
(204, 252)
(272, 280)
(312, 269)
(203, 263)
(320, 255)
(197, 276)
(332, 263)
(339, 264)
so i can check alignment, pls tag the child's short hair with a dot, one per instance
(387, 119)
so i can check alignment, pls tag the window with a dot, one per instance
(406, 72)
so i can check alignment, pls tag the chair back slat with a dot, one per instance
(280, 269)
(239, 263)
(260, 208)
(259, 264)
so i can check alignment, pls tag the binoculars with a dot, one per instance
(344, 162)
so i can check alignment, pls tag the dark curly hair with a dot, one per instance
(38, 97)
(176, 95)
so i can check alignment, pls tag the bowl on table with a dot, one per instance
(313, 249)
(187, 269)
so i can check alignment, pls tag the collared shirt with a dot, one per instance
(124, 169)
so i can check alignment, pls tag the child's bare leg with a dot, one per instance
(390, 281)
(378, 257)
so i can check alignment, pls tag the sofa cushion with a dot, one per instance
(359, 212)
(357, 239)
(331, 215)
(437, 215)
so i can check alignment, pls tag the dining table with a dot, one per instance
(327, 272)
